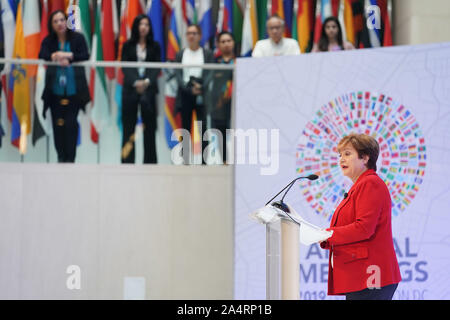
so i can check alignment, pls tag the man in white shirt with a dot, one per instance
(276, 45)
(192, 83)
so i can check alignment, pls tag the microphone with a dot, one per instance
(280, 204)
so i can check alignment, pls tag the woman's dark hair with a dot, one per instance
(229, 34)
(224, 33)
(135, 29)
(323, 41)
(52, 32)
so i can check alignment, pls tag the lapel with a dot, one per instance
(340, 206)
(350, 192)
(133, 53)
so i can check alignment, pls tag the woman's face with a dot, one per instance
(331, 29)
(226, 44)
(59, 23)
(144, 28)
(352, 166)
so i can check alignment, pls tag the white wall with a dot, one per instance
(172, 225)
(420, 22)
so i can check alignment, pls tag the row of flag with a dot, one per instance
(106, 25)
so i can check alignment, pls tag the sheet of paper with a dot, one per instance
(309, 233)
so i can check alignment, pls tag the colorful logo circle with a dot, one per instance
(401, 163)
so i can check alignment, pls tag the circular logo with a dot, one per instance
(401, 162)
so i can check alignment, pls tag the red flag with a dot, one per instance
(108, 35)
(335, 7)
(54, 5)
(387, 32)
(44, 18)
(134, 9)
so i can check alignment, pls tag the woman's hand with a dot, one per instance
(196, 89)
(63, 58)
(141, 85)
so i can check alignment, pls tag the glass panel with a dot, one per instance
(131, 118)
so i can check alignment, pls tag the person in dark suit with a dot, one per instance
(362, 260)
(192, 84)
(66, 90)
(140, 88)
(221, 90)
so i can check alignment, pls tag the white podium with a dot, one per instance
(282, 260)
(285, 230)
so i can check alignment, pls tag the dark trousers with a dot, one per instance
(222, 126)
(130, 105)
(65, 129)
(384, 293)
(189, 104)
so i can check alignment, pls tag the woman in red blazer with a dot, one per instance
(362, 263)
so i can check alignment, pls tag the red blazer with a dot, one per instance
(362, 237)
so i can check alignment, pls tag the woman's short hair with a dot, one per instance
(222, 33)
(197, 26)
(365, 145)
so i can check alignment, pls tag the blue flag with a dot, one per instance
(156, 17)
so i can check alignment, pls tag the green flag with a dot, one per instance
(238, 17)
(261, 9)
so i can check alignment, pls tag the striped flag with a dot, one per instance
(134, 8)
(205, 21)
(41, 126)
(284, 9)
(2, 55)
(177, 28)
(100, 107)
(335, 4)
(189, 11)
(224, 20)
(21, 118)
(278, 8)
(85, 27)
(31, 31)
(109, 31)
(8, 12)
(288, 6)
(304, 24)
(355, 25)
(262, 10)
(57, 5)
(374, 32)
(155, 14)
(348, 22)
(249, 29)
(323, 11)
(227, 24)
(385, 22)
(238, 19)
